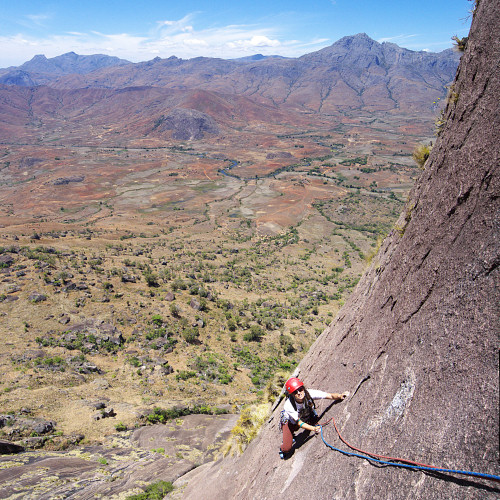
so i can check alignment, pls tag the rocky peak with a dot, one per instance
(358, 40)
(187, 124)
(69, 63)
(347, 50)
(362, 51)
(39, 58)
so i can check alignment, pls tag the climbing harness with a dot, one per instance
(392, 461)
(307, 414)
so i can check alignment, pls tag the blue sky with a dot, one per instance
(140, 31)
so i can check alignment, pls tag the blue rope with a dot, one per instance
(407, 466)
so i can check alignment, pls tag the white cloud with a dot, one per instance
(417, 42)
(398, 39)
(196, 42)
(256, 41)
(39, 19)
(166, 28)
(169, 37)
(263, 41)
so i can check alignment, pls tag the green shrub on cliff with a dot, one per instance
(155, 491)
(420, 154)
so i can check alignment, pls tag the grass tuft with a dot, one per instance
(246, 429)
(421, 154)
(155, 491)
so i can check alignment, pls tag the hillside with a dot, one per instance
(417, 342)
(117, 116)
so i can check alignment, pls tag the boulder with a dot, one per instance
(195, 304)
(37, 297)
(64, 319)
(6, 260)
(8, 447)
(44, 427)
(128, 278)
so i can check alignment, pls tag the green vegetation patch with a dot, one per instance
(155, 491)
(261, 370)
(163, 415)
(212, 368)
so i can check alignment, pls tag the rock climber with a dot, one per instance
(299, 411)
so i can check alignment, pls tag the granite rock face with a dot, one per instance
(417, 342)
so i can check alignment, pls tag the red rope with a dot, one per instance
(395, 459)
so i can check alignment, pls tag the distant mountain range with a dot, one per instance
(355, 74)
(40, 70)
(258, 57)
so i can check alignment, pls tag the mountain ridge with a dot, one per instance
(355, 73)
(62, 62)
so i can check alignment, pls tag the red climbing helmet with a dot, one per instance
(292, 384)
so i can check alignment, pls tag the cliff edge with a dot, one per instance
(417, 342)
